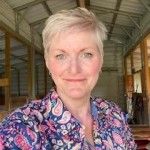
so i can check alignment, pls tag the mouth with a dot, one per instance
(74, 80)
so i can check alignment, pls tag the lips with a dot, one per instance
(74, 80)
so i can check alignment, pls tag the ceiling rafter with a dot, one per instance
(145, 5)
(118, 4)
(120, 12)
(38, 21)
(80, 3)
(122, 27)
(35, 2)
(83, 3)
(134, 22)
(119, 25)
(129, 35)
(117, 34)
(47, 8)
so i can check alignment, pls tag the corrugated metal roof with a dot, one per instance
(17, 3)
(122, 12)
(121, 17)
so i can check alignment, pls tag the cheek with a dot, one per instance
(96, 67)
(54, 68)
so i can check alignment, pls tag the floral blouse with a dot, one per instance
(47, 124)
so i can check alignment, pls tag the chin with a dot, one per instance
(77, 93)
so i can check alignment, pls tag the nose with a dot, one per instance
(75, 66)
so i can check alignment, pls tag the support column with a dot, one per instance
(31, 73)
(7, 72)
(146, 79)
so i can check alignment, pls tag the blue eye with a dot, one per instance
(88, 55)
(60, 56)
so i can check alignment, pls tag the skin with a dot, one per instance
(74, 62)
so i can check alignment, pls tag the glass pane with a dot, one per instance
(137, 83)
(128, 64)
(39, 75)
(137, 61)
(19, 73)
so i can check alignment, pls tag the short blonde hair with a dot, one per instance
(79, 18)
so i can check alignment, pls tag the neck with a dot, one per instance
(79, 107)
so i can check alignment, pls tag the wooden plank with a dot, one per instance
(145, 68)
(80, 3)
(145, 79)
(7, 71)
(125, 74)
(4, 82)
(132, 67)
(31, 73)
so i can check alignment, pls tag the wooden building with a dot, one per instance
(126, 69)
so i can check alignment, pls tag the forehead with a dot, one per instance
(74, 39)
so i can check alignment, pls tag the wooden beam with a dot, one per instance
(80, 3)
(4, 82)
(118, 4)
(38, 21)
(7, 72)
(145, 5)
(33, 3)
(46, 7)
(19, 37)
(119, 25)
(132, 70)
(31, 73)
(87, 3)
(125, 74)
(145, 68)
(120, 12)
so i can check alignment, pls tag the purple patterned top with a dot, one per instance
(47, 124)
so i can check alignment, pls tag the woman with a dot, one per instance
(68, 118)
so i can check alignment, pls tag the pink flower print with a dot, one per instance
(54, 95)
(38, 115)
(57, 110)
(1, 144)
(117, 116)
(103, 105)
(32, 135)
(48, 108)
(117, 138)
(51, 125)
(108, 143)
(116, 123)
(43, 128)
(65, 117)
(21, 142)
(77, 146)
(26, 111)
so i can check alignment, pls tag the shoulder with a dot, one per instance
(22, 124)
(108, 105)
(109, 108)
(30, 111)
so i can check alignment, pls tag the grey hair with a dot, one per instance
(78, 18)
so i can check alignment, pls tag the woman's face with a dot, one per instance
(74, 62)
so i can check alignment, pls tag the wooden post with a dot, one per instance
(132, 71)
(145, 68)
(31, 73)
(7, 72)
(146, 78)
(125, 73)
